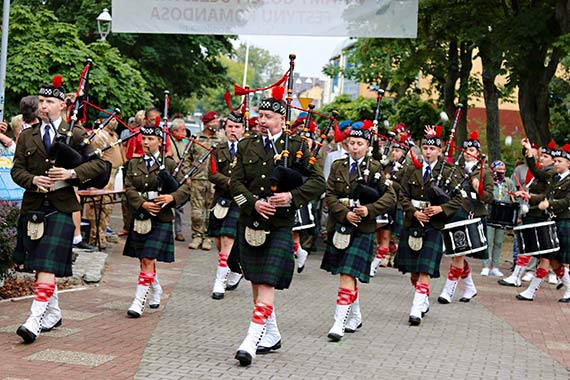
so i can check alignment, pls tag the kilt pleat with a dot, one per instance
(355, 260)
(272, 263)
(427, 260)
(157, 244)
(53, 252)
(226, 226)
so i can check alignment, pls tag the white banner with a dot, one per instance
(340, 18)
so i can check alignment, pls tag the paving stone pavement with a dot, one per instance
(192, 336)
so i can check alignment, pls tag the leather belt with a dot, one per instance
(420, 204)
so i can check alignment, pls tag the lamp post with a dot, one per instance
(4, 55)
(104, 24)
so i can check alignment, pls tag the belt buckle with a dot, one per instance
(144, 194)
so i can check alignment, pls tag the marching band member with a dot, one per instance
(150, 236)
(537, 184)
(202, 189)
(421, 245)
(45, 227)
(503, 188)
(225, 212)
(265, 251)
(475, 196)
(351, 229)
(555, 201)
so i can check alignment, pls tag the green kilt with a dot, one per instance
(226, 226)
(157, 244)
(427, 260)
(462, 215)
(355, 260)
(53, 252)
(272, 263)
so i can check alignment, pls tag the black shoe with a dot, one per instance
(234, 287)
(244, 358)
(442, 300)
(218, 296)
(564, 300)
(350, 331)
(414, 321)
(425, 312)
(505, 283)
(465, 299)
(299, 270)
(154, 306)
(133, 314)
(57, 324)
(85, 247)
(265, 350)
(559, 286)
(334, 337)
(26, 334)
(521, 298)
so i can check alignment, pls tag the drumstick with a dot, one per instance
(526, 197)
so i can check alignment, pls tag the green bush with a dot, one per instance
(9, 212)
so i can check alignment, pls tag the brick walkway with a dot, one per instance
(195, 337)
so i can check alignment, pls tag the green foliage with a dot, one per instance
(416, 114)
(358, 109)
(9, 212)
(559, 103)
(40, 46)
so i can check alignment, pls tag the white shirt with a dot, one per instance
(56, 124)
(564, 175)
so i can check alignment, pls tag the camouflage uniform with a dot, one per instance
(202, 192)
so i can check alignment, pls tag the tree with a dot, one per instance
(41, 46)
(263, 67)
(185, 65)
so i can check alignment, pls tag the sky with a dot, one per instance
(312, 52)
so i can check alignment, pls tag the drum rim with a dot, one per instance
(538, 253)
(470, 252)
(461, 223)
(533, 225)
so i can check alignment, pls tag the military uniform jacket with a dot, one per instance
(250, 178)
(140, 181)
(221, 179)
(196, 152)
(539, 185)
(340, 185)
(31, 159)
(558, 195)
(471, 197)
(413, 187)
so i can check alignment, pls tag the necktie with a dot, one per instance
(47, 138)
(267, 145)
(233, 150)
(353, 168)
(148, 162)
(558, 178)
(427, 172)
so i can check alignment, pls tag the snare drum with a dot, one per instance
(304, 218)
(503, 214)
(537, 238)
(464, 238)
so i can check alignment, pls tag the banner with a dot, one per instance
(333, 18)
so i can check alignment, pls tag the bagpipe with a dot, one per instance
(62, 153)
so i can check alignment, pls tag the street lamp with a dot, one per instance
(104, 24)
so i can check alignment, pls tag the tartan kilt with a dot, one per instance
(157, 244)
(53, 252)
(226, 226)
(398, 224)
(462, 215)
(425, 261)
(272, 263)
(355, 260)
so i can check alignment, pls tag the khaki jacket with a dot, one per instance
(340, 185)
(141, 180)
(252, 170)
(221, 179)
(478, 202)
(413, 187)
(196, 151)
(558, 195)
(539, 184)
(31, 159)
